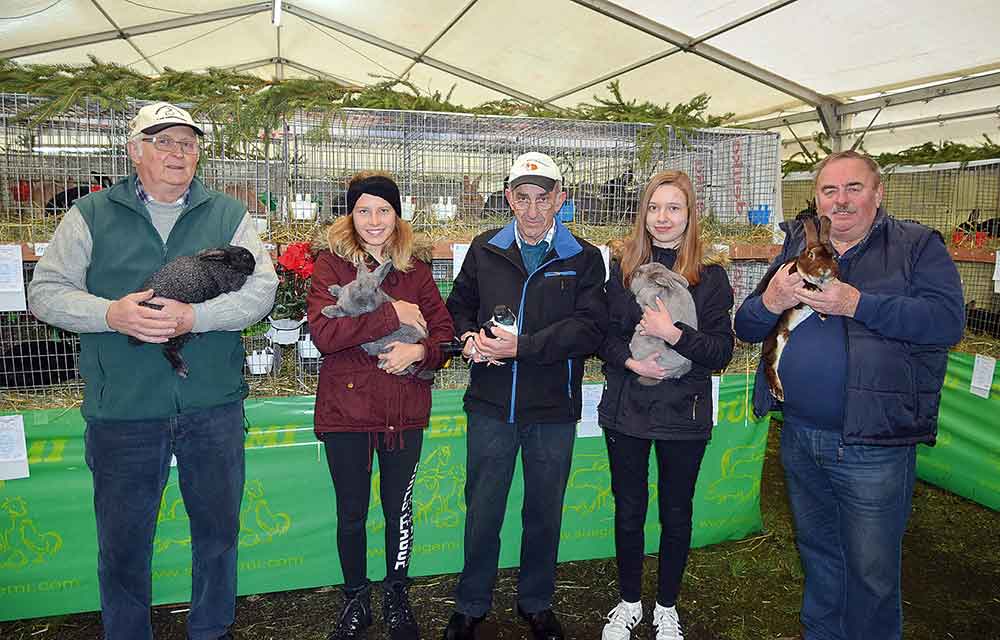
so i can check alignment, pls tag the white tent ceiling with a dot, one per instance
(776, 64)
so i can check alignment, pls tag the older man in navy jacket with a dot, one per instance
(861, 388)
(525, 387)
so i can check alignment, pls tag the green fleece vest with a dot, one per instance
(133, 382)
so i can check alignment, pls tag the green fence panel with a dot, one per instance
(48, 548)
(966, 458)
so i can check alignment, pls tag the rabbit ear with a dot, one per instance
(668, 278)
(213, 254)
(382, 271)
(809, 226)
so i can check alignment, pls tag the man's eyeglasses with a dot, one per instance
(542, 204)
(169, 145)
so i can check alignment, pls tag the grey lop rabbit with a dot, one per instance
(197, 278)
(364, 295)
(651, 281)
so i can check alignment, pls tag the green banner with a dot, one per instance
(966, 458)
(48, 548)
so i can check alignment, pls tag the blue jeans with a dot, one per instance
(130, 462)
(546, 455)
(850, 504)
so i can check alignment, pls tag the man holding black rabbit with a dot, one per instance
(139, 412)
(525, 387)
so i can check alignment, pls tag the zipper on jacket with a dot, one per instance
(520, 325)
(694, 406)
(569, 380)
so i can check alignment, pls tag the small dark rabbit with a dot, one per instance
(197, 278)
(364, 295)
(817, 264)
(503, 319)
(651, 281)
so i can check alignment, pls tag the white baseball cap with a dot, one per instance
(158, 116)
(534, 168)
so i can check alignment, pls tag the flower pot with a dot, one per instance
(285, 330)
(261, 362)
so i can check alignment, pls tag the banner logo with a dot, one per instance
(21, 543)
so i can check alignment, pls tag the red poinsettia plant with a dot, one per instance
(294, 268)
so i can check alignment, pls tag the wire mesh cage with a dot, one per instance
(450, 169)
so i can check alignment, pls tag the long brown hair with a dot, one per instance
(638, 248)
(342, 238)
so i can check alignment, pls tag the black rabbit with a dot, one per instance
(197, 278)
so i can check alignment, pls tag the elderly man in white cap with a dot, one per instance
(139, 412)
(525, 387)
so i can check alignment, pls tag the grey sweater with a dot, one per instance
(58, 290)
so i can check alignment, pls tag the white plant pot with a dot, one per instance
(261, 362)
(285, 330)
(306, 347)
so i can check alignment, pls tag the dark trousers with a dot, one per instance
(678, 462)
(546, 455)
(349, 457)
(130, 461)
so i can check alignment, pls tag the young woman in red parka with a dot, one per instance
(369, 406)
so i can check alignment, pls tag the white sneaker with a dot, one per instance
(666, 624)
(621, 620)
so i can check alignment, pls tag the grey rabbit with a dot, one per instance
(651, 281)
(197, 278)
(364, 295)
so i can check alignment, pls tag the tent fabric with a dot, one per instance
(560, 51)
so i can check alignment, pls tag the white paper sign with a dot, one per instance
(13, 448)
(458, 253)
(716, 381)
(982, 376)
(40, 248)
(588, 427)
(996, 273)
(11, 279)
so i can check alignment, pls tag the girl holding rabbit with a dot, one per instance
(674, 417)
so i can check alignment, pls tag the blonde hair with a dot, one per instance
(343, 240)
(638, 248)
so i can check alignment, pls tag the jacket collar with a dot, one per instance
(563, 242)
(124, 193)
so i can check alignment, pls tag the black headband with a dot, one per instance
(379, 186)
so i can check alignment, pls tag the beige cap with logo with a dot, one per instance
(534, 168)
(159, 116)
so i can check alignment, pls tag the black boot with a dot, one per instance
(399, 621)
(357, 615)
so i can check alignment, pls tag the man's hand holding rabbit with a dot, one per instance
(127, 316)
(835, 299)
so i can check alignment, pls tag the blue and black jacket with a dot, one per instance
(910, 312)
(562, 314)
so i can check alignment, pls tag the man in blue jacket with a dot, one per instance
(525, 387)
(861, 388)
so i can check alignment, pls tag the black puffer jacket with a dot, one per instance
(562, 314)
(674, 409)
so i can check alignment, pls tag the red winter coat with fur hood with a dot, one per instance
(353, 393)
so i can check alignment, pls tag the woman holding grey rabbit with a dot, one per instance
(644, 407)
(375, 405)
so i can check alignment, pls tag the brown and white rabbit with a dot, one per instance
(817, 264)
